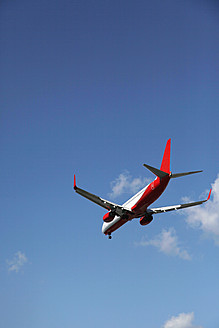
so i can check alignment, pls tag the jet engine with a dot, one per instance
(146, 219)
(108, 217)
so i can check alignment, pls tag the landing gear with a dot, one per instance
(109, 236)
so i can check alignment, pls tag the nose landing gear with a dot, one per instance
(109, 236)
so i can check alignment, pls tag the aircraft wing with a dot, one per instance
(117, 209)
(176, 207)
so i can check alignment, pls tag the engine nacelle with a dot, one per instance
(146, 220)
(108, 217)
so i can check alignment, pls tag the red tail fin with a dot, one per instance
(165, 165)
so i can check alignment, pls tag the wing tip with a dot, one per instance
(209, 195)
(75, 187)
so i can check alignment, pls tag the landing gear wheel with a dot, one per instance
(109, 236)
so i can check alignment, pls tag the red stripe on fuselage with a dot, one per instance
(152, 193)
(116, 226)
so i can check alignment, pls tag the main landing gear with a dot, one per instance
(109, 236)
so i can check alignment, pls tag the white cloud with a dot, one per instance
(17, 262)
(126, 184)
(206, 216)
(183, 320)
(167, 243)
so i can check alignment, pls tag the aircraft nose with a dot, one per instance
(104, 227)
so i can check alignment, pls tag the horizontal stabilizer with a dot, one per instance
(177, 175)
(157, 172)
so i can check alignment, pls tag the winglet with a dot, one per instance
(209, 194)
(75, 187)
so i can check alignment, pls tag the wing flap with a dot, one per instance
(176, 207)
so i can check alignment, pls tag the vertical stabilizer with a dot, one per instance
(165, 165)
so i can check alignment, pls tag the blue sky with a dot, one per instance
(96, 88)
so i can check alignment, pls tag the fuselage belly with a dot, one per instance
(138, 204)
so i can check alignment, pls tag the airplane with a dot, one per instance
(137, 206)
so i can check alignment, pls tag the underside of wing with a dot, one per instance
(117, 209)
(176, 207)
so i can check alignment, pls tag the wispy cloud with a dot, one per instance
(17, 262)
(167, 243)
(183, 320)
(206, 216)
(126, 184)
